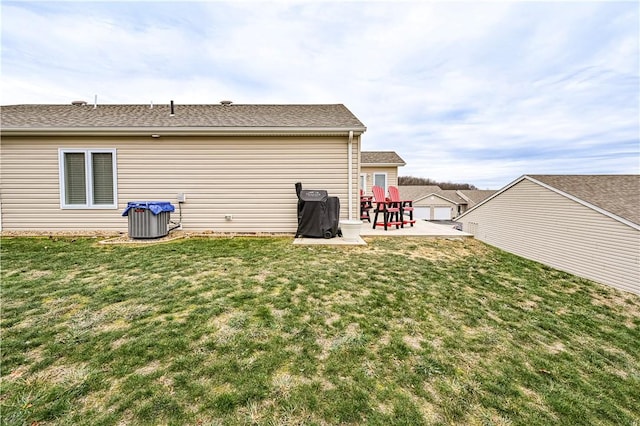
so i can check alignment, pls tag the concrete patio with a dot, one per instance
(421, 228)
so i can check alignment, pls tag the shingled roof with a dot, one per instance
(617, 194)
(451, 195)
(475, 196)
(417, 192)
(381, 158)
(420, 192)
(40, 117)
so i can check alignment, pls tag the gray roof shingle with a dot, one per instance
(335, 116)
(417, 192)
(381, 157)
(617, 194)
(452, 195)
(475, 196)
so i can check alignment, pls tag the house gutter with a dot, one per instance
(182, 131)
(382, 164)
(350, 178)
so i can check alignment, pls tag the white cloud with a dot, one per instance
(477, 92)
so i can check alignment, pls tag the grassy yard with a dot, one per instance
(258, 331)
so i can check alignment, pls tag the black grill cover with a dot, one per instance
(333, 217)
(315, 195)
(318, 214)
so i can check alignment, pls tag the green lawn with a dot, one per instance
(404, 331)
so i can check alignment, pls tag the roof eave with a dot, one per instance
(474, 208)
(464, 197)
(382, 164)
(181, 131)
(435, 194)
(445, 198)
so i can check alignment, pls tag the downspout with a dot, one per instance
(350, 180)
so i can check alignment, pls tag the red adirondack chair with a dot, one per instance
(406, 206)
(390, 210)
(365, 206)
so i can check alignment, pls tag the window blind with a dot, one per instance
(75, 188)
(102, 177)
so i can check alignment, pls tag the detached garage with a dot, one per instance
(437, 205)
(588, 225)
(441, 213)
(432, 213)
(75, 167)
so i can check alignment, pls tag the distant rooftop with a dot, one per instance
(417, 192)
(380, 158)
(475, 196)
(469, 197)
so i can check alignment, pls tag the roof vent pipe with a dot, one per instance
(172, 113)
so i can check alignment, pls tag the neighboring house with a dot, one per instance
(379, 168)
(417, 192)
(75, 167)
(474, 196)
(588, 225)
(432, 203)
(439, 205)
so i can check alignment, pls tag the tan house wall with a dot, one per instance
(251, 178)
(392, 176)
(539, 224)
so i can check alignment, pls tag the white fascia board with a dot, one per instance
(509, 185)
(423, 197)
(464, 197)
(444, 198)
(382, 164)
(182, 131)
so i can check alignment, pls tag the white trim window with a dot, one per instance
(88, 178)
(380, 179)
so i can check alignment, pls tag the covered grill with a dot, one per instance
(318, 214)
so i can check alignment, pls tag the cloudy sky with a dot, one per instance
(475, 92)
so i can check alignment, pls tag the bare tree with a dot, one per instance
(411, 180)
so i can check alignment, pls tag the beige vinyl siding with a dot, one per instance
(392, 176)
(537, 223)
(251, 178)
